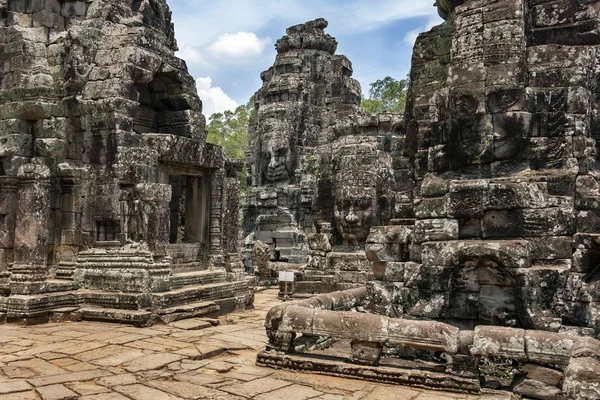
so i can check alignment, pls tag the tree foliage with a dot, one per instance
(387, 94)
(230, 130)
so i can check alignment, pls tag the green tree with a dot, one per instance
(230, 130)
(387, 94)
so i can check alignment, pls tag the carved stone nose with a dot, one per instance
(273, 161)
(351, 218)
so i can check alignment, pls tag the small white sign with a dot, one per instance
(285, 276)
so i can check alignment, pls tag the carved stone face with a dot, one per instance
(276, 159)
(354, 210)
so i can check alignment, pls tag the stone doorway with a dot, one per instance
(189, 210)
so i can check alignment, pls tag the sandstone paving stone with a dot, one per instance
(117, 380)
(169, 343)
(40, 367)
(12, 348)
(220, 343)
(318, 382)
(18, 372)
(81, 348)
(104, 336)
(125, 338)
(63, 362)
(190, 336)
(146, 345)
(191, 324)
(141, 392)
(104, 396)
(392, 393)
(53, 347)
(87, 388)
(152, 361)
(256, 387)
(81, 366)
(30, 395)
(51, 356)
(234, 375)
(293, 392)
(13, 386)
(8, 358)
(329, 396)
(198, 378)
(124, 356)
(56, 392)
(70, 377)
(221, 366)
(188, 390)
(199, 352)
(100, 352)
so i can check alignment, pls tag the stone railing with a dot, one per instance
(574, 360)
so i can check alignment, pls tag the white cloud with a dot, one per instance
(411, 36)
(193, 56)
(238, 47)
(214, 99)
(345, 16)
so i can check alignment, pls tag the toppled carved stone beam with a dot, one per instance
(524, 345)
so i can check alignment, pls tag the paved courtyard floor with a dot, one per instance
(188, 359)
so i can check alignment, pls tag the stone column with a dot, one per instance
(154, 201)
(216, 211)
(8, 213)
(29, 270)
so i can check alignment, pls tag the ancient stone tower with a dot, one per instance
(311, 149)
(307, 89)
(112, 204)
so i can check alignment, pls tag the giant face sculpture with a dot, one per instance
(276, 157)
(362, 191)
(354, 210)
(276, 151)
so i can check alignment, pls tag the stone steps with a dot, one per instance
(194, 293)
(134, 317)
(60, 285)
(197, 278)
(190, 310)
(178, 268)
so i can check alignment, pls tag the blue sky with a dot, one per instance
(228, 43)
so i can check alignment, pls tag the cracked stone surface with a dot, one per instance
(97, 361)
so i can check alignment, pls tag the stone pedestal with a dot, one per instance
(29, 271)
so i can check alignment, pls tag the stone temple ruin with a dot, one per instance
(456, 246)
(112, 204)
(491, 279)
(321, 171)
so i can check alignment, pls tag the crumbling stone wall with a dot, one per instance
(500, 125)
(96, 115)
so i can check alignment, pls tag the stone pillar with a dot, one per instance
(216, 211)
(8, 213)
(29, 270)
(154, 216)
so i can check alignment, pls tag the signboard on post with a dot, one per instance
(285, 276)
